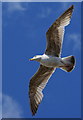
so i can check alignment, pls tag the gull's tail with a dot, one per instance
(69, 63)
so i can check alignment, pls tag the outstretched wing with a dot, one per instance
(37, 84)
(56, 32)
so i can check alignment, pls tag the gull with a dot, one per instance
(50, 60)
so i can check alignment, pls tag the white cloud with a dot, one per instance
(76, 40)
(14, 6)
(11, 109)
(45, 12)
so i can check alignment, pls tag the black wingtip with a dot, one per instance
(33, 113)
(73, 60)
(72, 7)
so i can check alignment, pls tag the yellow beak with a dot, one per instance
(31, 59)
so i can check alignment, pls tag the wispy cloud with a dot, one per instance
(11, 109)
(45, 12)
(14, 6)
(76, 40)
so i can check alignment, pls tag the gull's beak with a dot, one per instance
(31, 59)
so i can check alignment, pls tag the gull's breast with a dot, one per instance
(50, 61)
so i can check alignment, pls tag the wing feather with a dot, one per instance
(37, 84)
(55, 33)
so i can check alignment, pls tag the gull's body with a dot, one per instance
(50, 60)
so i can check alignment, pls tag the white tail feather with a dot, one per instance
(69, 63)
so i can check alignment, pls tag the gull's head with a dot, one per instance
(36, 58)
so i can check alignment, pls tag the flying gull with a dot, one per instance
(50, 60)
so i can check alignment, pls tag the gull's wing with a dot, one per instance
(56, 32)
(37, 84)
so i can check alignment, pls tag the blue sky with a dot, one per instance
(24, 28)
